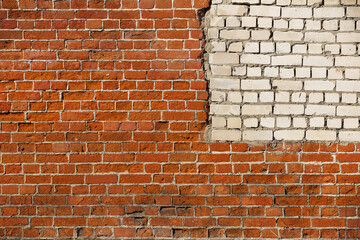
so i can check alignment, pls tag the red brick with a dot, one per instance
(259, 222)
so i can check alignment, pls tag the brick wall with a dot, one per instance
(288, 70)
(103, 135)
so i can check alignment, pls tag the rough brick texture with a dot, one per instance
(284, 70)
(103, 117)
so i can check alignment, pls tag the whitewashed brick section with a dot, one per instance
(283, 70)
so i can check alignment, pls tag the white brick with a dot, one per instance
(281, 24)
(283, 122)
(236, 47)
(268, 2)
(246, 1)
(287, 36)
(349, 136)
(347, 25)
(234, 122)
(289, 135)
(248, 21)
(347, 61)
(223, 58)
(348, 49)
(319, 37)
(331, 25)
(348, 98)
(221, 70)
(286, 60)
(254, 71)
(255, 59)
(232, 22)
(315, 48)
(217, 22)
(217, 96)
(226, 135)
(329, 12)
(287, 85)
(232, 10)
(235, 34)
(260, 35)
(296, 24)
(332, 48)
(334, 123)
(298, 97)
(318, 61)
(218, 122)
(318, 72)
(256, 110)
(251, 122)
(302, 72)
(283, 2)
(348, 86)
(353, 12)
(299, 122)
(351, 123)
(255, 84)
(320, 135)
(320, 110)
(239, 71)
(335, 73)
(265, 22)
(222, 83)
(313, 25)
(317, 122)
(267, 47)
(250, 97)
(283, 48)
(252, 47)
(282, 97)
(331, 2)
(332, 97)
(288, 109)
(235, 97)
(348, 37)
(271, 72)
(218, 46)
(267, 122)
(316, 97)
(266, 97)
(287, 73)
(298, 2)
(257, 135)
(300, 48)
(212, 33)
(296, 12)
(348, 111)
(223, 109)
(265, 11)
